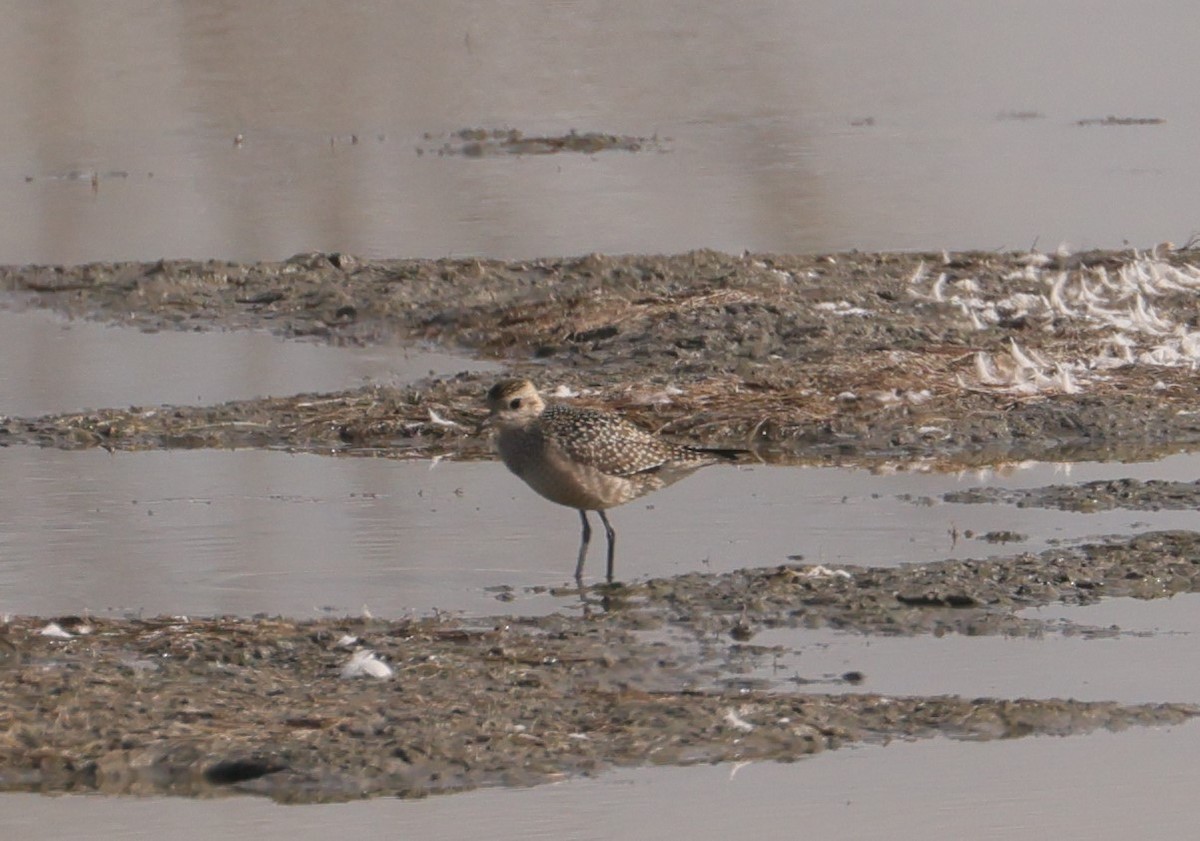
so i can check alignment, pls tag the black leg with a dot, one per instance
(612, 543)
(583, 546)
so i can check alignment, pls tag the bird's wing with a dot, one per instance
(604, 441)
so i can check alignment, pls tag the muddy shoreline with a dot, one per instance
(876, 359)
(955, 358)
(268, 706)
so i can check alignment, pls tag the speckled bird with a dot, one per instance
(586, 459)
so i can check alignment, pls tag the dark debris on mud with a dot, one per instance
(481, 143)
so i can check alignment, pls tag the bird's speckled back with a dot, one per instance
(609, 443)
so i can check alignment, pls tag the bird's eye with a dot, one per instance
(515, 403)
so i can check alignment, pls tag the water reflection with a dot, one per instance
(49, 364)
(795, 127)
(212, 532)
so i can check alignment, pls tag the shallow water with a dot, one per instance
(1149, 661)
(795, 127)
(49, 364)
(1102, 787)
(212, 532)
(248, 531)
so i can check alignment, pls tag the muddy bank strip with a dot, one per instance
(971, 597)
(337, 709)
(1102, 495)
(964, 358)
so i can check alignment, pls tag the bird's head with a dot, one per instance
(512, 403)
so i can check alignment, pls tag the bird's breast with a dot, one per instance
(553, 475)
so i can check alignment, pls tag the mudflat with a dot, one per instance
(968, 358)
(877, 359)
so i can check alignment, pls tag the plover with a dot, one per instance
(586, 459)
